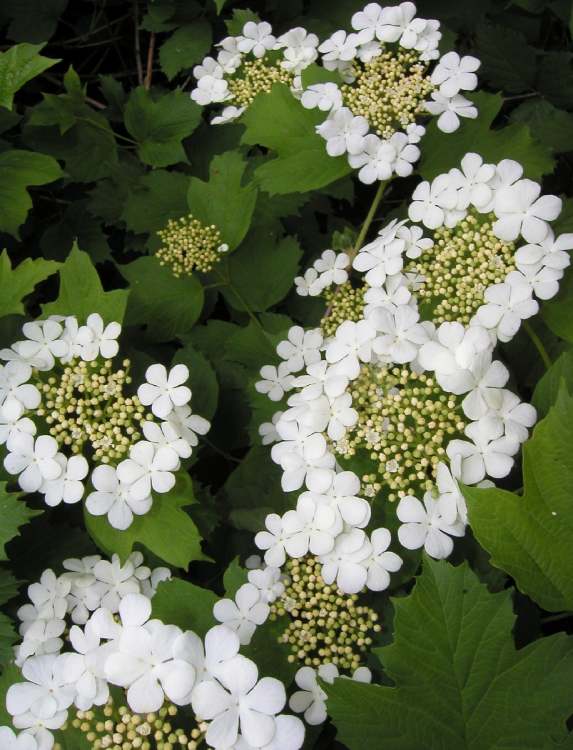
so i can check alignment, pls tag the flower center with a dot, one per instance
(343, 302)
(405, 421)
(188, 245)
(112, 726)
(389, 91)
(325, 626)
(256, 77)
(86, 405)
(457, 270)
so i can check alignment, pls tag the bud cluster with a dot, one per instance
(343, 302)
(405, 423)
(86, 404)
(256, 77)
(189, 245)
(327, 626)
(389, 90)
(118, 728)
(463, 262)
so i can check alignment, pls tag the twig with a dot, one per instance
(538, 345)
(137, 43)
(529, 95)
(149, 71)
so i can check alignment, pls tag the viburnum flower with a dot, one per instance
(68, 486)
(15, 391)
(344, 564)
(244, 614)
(147, 468)
(239, 701)
(268, 582)
(276, 381)
(114, 499)
(424, 526)
(311, 698)
(489, 451)
(24, 741)
(381, 562)
(96, 338)
(299, 349)
(164, 390)
(34, 460)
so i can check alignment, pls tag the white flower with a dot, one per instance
(49, 596)
(273, 540)
(34, 460)
(345, 563)
(391, 295)
(276, 380)
(210, 66)
(257, 38)
(186, 424)
(49, 689)
(40, 637)
(268, 430)
(308, 285)
(395, 21)
(516, 416)
(268, 582)
(489, 377)
(451, 502)
(91, 688)
(115, 581)
(369, 23)
(423, 526)
(342, 416)
(431, 200)
(380, 258)
(332, 269)
(237, 700)
(85, 594)
(229, 58)
(228, 114)
(414, 242)
(520, 210)
(321, 378)
(381, 562)
(473, 182)
(343, 496)
(143, 659)
(43, 343)
(210, 89)
(302, 455)
(24, 741)
(450, 110)
(114, 499)
(506, 305)
(489, 452)
(325, 96)
(401, 334)
(405, 154)
(244, 614)
(343, 132)
(15, 391)
(147, 468)
(95, 339)
(454, 74)
(375, 161)
(68, 487)
(311, 698)
(312, 527)
(301, 348)
(11, 426)
(166, 438)
(551, 252)
(299, 49)
(351, 345)
(339, 47)
(163, 391)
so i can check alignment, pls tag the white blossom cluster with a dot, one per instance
(293, 52)
(42, 465)
(522, 216)
(91, 628)
(376, 29)
(316, 373)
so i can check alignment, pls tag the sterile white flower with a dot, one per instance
(506, 305)
(473, 181)
(431, 200)
(489, 452)
(400, 334)
(450, 110)
(423, 526)
(343, 132)
(454, 73)
(301, 348)
(244, 614)
(520, 210)
(332, 268)
(345, 563)
(256, 38)
(91, 687)
(273, 540)
(351, 345)
(188, 425)
(15, 391)
(311, 698)
(268, 430)
(379, 259)
(147, 468)
(381, 562)
(96, 339)
(10, 741)
(210, 89)
(300, 49)
(43, 343)
(375, 161)
(68, 487)
(166, 438)
(164, 390)
(114, 499)
(310, 528)
(34, 460)
(325, 96)
(338, 47)
(276, 381)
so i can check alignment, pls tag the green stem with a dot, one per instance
(368, 220)
(538, 345)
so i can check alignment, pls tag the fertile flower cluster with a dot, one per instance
(251, 63)
(90, 629)
(390, 77)
(414, 405)
(188, 245)
(60, 382)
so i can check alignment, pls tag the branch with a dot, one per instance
(149, 71)
(137, 43)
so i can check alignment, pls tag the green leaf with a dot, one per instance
(8, 637)
(8, 586)
(157, 197)
(255, 345)
(166, 530)
(239, 18)
(18, 65)
(555, 78)
(551, 126)
(167, 305)
(33, 20)
(270, 656)
(261, 257)
(81, 292)
(219, 4)
(10, 675)
(187, 46)
(18, 282)
(279, 122)
(183, 604)
(224, 201)
(498, 48)
(442, 151)
(557, 312)
(459, 680)
(20, 170)
(14, 514)
(233, 578)
(202, 380)
(160, 125)
(529, 536)
(547, 389)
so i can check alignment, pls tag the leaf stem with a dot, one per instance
(538, 345)
(137, 42)
(149, 69)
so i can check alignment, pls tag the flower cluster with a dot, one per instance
(399, 401)
(90, 629)
(64, 413)
(390, 76)
(188, 245)
(251, 63)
